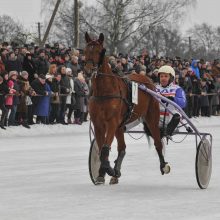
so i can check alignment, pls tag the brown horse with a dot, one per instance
(108, 108)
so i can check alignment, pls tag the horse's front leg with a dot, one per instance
(105, 166)
(121, 153)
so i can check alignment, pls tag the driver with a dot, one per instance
(167, 88)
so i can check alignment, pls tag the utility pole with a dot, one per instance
(76, 14)
(190, 48)
(50, 23)
(39, 32)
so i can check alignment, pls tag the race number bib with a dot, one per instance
(135, 93)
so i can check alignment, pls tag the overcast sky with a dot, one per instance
(28, 12)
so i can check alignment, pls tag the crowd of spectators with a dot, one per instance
(48, 85)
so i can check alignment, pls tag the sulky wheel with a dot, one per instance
(203, 164)
(94, 161)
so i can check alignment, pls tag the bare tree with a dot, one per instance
(9, 29)
(128, 21)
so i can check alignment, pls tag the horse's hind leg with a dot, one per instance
(121, 153)
(152, 120)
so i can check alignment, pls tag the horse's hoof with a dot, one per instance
(165, 169)
(100, 180)
(113, 180)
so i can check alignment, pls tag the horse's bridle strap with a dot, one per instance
(106, 97)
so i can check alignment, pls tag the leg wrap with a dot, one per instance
(118, 163)
(105, 164)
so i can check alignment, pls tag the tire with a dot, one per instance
(203, 166)
(94, 161)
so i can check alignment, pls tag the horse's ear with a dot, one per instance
(87, 37)
(101, 38)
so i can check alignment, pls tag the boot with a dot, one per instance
(25, 124)
(77, 121)
(173, 124)
(85, 116)
(2, 127)
(69, 121)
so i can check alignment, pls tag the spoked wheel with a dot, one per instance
(94, 161)
(203, 163)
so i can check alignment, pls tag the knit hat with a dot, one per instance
(12, 73)
(23, 73)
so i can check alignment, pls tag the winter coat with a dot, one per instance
(3, 91)
(11, 65)
(195, 85)
(29, 66)
(2, 66)
(186, 84)
(42, 66)
(41, 103)
(55, 88)
(16, 96)
(25, 91)
(204, 98)
(79, 94)
(70, 99)
(74, 67)
(9, 97)
(195, 69)
(215, 100)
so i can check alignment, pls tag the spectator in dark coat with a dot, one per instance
(64, 90)
(204, 98)
(42, 100)
(29, 66)
(196, 90)
(80, 95)
(55, 100)
(42, 64)
(186, 83)
(3, 91)
(74, 66)
(13, 64)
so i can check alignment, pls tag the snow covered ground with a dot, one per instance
(44, 176)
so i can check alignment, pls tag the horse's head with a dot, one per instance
(94, 53)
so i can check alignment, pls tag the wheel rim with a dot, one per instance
(94, 161)
(203, 163)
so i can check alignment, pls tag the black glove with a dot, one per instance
(169, 97)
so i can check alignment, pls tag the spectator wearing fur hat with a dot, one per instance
(12, 116)
(25, 104)
(13, 64)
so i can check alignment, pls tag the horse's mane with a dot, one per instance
(142, 79)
